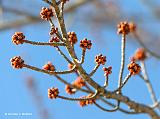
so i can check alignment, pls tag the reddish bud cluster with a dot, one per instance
(72, 37)
(79, 82)
(49, 66)
(140, 54)
(70, 90)
(54, 39)
(100, 59)
(134, 68)
(107, 71)
(46, 13)
(53, 93)
(123, 28)
(83, 103)
(53, 31)
(18, 38)
(17, 62)
(85, 44)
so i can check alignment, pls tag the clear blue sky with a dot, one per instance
(15, 96)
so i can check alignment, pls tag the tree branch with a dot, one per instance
(46, 44)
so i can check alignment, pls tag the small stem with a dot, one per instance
(63, 30)
(104, 109)
(38, 70)
(124, 82)
(58, 77)
(155, 105)
(65, 72)
(122, 61)
(63, 55)
(83, 56)
(57, 33)
(62, 9)
(46, 44)
(72, 86)
(94, 70)
(60, 19)
(79, 99)
(120, 109)
(106, 82)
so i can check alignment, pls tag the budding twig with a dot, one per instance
(38, 69)
(60, 19)
(57, 33)
(106, 82)
(63, 55)
(66, 72)
(122, 60)
(83, 56)
(40, 43)
(80, 99)
(104, 109)
(155, 105)
(94, 70)
(62, 8)
(124, 82)
(66, 83)
(52, 73)
(120, 109)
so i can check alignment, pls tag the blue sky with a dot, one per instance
(15, 96)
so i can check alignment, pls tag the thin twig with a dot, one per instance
(63, 55)
(66, 72)
(64, 31)
(120, 109)
(122, 65)
(46, 44)
(104, 109)
(60, 19)
(72, 86)
(94, 70)
(62, 8)
(106, 82)
(122, 61)
(79, 99)
(38, 69)
(58, 77)
(124, 82)
(156, 105)
(57, 33)
(49, 72)
(83, 56)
